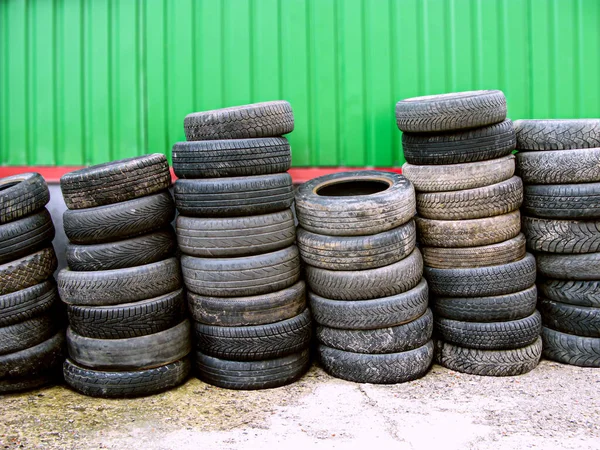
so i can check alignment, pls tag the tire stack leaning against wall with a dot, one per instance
(128, 333)
(367, 292)
(236, 232)
(559, 161)
(458, 149)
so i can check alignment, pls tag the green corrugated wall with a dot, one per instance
(86, 81)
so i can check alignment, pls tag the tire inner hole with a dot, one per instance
(350, 188)
(8, 185)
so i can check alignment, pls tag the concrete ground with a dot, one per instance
(553, 407)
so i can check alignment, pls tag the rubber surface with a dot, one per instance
(557, 134)
(571, 319)
(21, 195)
(562, 201)
(562, 236)
(583, 293)
(27, 303)
(24, 236)
(34, 360)
(559, 166)
(22, 335)
(27, 271)
(569, 267)
(13, 385)
(571, 349)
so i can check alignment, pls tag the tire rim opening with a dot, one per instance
(8, 185)
(352, 188)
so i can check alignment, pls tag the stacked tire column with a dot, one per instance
(458, 150)
(559, 161)
(31, 335)
(236, 232)
(128, 333)
(367, 294)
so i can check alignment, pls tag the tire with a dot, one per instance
(456, 177)
(236, 236)
(367, 284)
(482, 281)
(27, 271)
(389, 368)
(244, 276)
(446, 112)
(497, 308)
(495, 363)
(478, 203)
(468, 233)
(560, 166)
(569, 267)
(115, 287)
(35, 360)
(248, 311)
(357, 252)
(120, 220)
(235, 196)
(25, 236)
(231, 157)
(571, 319)
(563, 201)
(582, 293)
(116, 181)
(370, 314)
(13, 385)
(22, 195)
(252, 374)
(504, 252)
(27, 303)
(570, 349)
(458, 147)
(137, 251)
(557, 134)
(142, 352)
(256, 120)
(22, 335)
(399, 338)
(562, 236)
(369, 202)
(128, 320)
(109, 384)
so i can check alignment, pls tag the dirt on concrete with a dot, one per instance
(553, 407)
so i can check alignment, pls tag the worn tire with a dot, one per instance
(369, 202)
(570, 349)
(27, 303)
(562, 201)
(27, 383)
(582, 292)
(557, 134)
(34, 360)
(22, 195)
(559, 166)
(562, 236)
(120, 220)
(569, 267)
(236, 236)
(22, 335)
(27, 271)
(571, 319)
(24, 236)
(388, 368)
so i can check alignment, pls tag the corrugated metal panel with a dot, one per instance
(85, 81)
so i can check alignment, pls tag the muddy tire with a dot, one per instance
(28, 383)
(22, 335)
(571, 319)
(559, 167)
(582, 292)
(562, 201)
(22, 195)
(25, 236)
(27, 303)
(35, 360)
(570, 349)
(557, 134)
(569, 267)
(27, 271)
(562, 236)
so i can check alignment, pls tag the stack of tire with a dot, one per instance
(559, 161)
(458, 149)
(128, 333)
(367, 292)
(236, 233)
(31, 329)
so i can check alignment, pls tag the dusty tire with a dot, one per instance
(22, 335)
(562, 201)
(582, 293)
(571, 319)
(562, 236)
(24, 236)
(27, 383)
(240, 122)
(27, 271)
(570, 349)
(27, 303)
(21, 195)
(557, 134)
(559, 167)
(34, 360)
(569, 267)
(369, 202)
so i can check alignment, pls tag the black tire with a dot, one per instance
(142, 352)
(252, 374)
(562, 236)
(571, 349)
(130, 319)
(367, 284)
(231, 157)
(120, 220)
(121, 384)
(240, 122)
(115, 181)
(27, 303)
(582, 293)
(487, 201)
(27, 271)
(563, 201)
(557, 134)
(137, 251)
(457, 147)
(495, 363)
(355, 203)
(24, 236)
(482, 281)
(468, 233)
(13, 385)
(234, 196)
(357, 252)
(22, 335)
(257, 342)
(560, 167)
(454, 111)
(35, 360)
(389, 368)
(114, 287)
(370, 314)
(569, 267)
(571, 319)
(399, 338)
(236, 236)
(21, 195)
(247, 311)
(504, 252)
(497, 308)
(244, 276)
